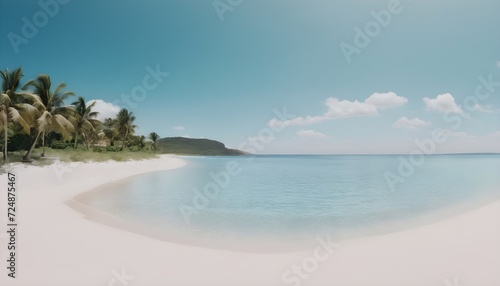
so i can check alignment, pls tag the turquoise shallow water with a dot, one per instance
(292, 199)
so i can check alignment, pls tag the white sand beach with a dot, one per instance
(59, 246)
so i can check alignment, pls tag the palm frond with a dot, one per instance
(94, 122)
(17, 118)
(59, 87)
(44, 122)
(93, 114)
(65, 96)
(28, 112)
(65, 111)
(4, 99)
(3, 119)
(30, 83)
(61, 125)
(32, 99)
(88, 126)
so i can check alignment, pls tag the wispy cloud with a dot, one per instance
(414, 123)
(310, 134)
(344, 108)
(498, 64)
(260, 138)
(179, 128)
(104, 109)
(462, 135)
(443, 103)
(483, 108)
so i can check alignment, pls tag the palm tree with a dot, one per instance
(109, 130)
(142, 141)
(16, 107)
(85, 121)
(52, 101)
(125, 125)
(153, 136)
(50, 122)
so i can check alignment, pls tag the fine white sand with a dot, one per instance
(57, 245)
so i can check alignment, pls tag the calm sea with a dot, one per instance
(285, 202)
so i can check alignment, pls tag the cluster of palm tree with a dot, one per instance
(38, 110)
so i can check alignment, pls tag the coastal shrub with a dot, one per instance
(19, 142)
(58, 145)
(112, 148)
(97, 149)
(135, 148)
(81, 148)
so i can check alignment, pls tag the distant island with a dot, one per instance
(197, 147)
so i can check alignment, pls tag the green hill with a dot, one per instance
(189, 146)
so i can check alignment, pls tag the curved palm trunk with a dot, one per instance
(43, 144)
(86, 140)
(6, 134)
(124, 138)
(5, 138)
(27, 157)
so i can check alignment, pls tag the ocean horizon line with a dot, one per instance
(371, 154)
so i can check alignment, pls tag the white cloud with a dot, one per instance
(105, 109)
(483, 108)
(179, 128)
(462, 135)
(443, 103)
(344, 108)
(498, 64)
(414, 123)
(386, 100)
(310, 134)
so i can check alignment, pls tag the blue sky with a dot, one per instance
(231, 63)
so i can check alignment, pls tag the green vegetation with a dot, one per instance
(50, 115)
(85, 123)
(188, 146)
(17, 109)
(82, 155)
(154, 137)
(35, 119)
(125, 125)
